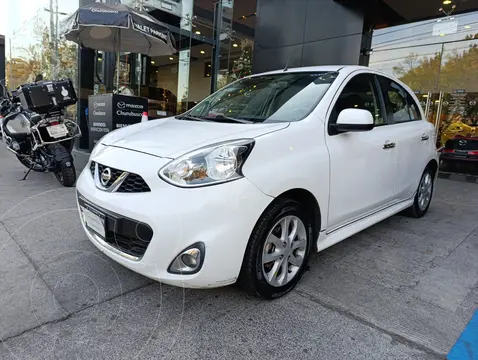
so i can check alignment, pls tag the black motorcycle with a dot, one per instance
(34, 128)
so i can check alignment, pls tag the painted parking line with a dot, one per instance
(466, 347)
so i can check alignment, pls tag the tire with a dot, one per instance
(65, 171)
(255, 277)
(419, 209)
(66, 176)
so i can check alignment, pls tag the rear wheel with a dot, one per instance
(278, 250)
(424, 194)
(65, 169)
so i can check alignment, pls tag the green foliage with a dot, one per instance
(459, 70)
(39, 57)
(242, 66)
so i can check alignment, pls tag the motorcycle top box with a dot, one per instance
(47, 96)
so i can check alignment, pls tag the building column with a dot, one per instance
(308, 33)
(2, 57)
(86, 82)
(184, 55)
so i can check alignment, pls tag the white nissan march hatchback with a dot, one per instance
(244, 186)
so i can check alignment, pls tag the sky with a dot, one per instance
(19, 16)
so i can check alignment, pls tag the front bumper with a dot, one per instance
(221, 216)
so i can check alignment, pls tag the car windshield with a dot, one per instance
(284, 97)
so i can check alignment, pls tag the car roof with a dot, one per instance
(325, 68)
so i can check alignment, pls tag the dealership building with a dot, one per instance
(432, 45)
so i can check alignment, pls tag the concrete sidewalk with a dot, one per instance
(404, 289)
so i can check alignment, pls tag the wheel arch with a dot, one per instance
(307, 199)
(433, 166)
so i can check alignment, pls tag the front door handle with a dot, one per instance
(425, 137)
(388, 145)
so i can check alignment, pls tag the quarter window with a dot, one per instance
(359, 93)
(399, 104)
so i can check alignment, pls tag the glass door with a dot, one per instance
(457, 132)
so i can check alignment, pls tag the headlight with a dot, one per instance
(213, 164)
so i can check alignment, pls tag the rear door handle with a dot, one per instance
(388, 145)
(425, 137)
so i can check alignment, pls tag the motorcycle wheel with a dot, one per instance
(66, 176)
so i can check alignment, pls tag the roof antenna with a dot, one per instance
(288, 61)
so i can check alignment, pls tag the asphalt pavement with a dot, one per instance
(403, 289)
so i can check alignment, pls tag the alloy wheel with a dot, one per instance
(284, 251)
(425, 191)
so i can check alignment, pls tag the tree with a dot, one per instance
(241, 67)
(410, 62)
(471, 37)
(459, 70)
(38, 58)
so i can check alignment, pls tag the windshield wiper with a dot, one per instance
(224, 117)
(190, 117)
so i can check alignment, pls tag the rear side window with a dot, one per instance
(414, 109)
(399, 104)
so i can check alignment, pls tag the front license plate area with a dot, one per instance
(57, 131)
(461, 154)
(94, 221)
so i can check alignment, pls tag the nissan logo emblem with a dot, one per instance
(121, 105)
(105, 176)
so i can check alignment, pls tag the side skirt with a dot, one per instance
(326, 240)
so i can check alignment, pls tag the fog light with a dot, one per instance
(189, 261)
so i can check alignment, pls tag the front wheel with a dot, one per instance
(278, 250)
(424, 194)
(66, 176)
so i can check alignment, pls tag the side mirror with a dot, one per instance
(354, 120)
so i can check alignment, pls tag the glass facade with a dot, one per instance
(175, 83)
(214, 41)
(438, 59)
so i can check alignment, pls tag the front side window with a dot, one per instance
(359, 93)
(399, 103)
(285, 97)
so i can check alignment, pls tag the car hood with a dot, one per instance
(171, 138)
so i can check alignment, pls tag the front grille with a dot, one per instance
(115, 173)
(131, 245)
(127, 235)
(462, 144)
(133, 183)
